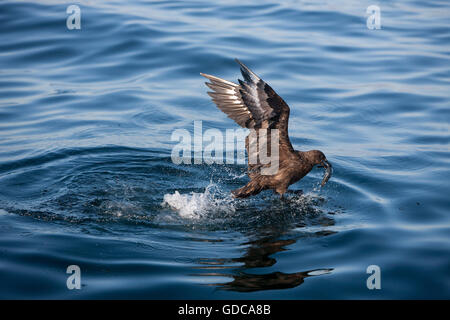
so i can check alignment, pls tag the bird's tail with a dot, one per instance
(250, 189)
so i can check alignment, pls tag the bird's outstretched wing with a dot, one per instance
(253, 104)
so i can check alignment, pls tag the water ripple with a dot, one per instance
(86, 177)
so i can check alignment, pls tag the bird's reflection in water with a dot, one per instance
(261, 253)
(276, 280)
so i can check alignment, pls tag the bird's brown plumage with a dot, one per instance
(253, 104)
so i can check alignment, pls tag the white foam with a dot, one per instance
(197, 205)
(4, 212)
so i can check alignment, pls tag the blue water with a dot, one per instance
(86, 176)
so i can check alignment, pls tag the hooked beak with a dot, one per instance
(328, 172)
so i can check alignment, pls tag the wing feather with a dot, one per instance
(255, 105)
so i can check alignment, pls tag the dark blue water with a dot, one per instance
(86, 177)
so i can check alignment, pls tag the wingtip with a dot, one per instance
(240, 63)
(246, 72)
(215, 79)
(207, 76)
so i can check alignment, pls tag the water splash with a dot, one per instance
(200, 205)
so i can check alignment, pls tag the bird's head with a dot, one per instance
(316, 157)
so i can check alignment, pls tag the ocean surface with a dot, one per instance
(87, 178)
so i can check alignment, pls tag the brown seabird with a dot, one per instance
(253, 104)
